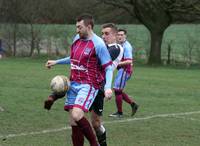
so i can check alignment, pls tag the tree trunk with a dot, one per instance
(152, 14)
(15, 39)
(155, 52)
(32, 41)
(38, 46)
(169, 49)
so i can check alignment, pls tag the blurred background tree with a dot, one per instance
(155, 15)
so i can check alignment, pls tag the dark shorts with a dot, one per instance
(97, 105)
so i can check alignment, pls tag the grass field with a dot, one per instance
(169, 113)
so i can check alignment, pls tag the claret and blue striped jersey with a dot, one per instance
(128, 50)
(88, 57)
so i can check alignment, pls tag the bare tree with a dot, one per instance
(157, 15)
(30, 14)
(10, 10)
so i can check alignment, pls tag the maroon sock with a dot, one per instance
(77, 136)
(127, 98)
(118, 100)
(87, 131)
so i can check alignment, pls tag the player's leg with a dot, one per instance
(77, 134)
(99, 128)
(52, 98)
(133, 104)
(119, 102)
(118, 86)
(127, 98)
(84, 125)
(84, 99)
(96, 120)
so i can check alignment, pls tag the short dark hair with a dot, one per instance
(87, 19)
(110, 25)
(124, 30)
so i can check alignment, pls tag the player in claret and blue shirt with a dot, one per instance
(125, 70)
(88, 57)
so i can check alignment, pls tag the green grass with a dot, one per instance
(24, 85)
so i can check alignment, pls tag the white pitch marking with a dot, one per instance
(154, 116)
(106, 122)
(186, 118)
(36, 133)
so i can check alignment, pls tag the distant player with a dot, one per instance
(125, 69)
(89, 56)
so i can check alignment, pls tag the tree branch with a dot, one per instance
(127, 5)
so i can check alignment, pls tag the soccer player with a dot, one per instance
(88, 57)
(125, 69)
(109, 32)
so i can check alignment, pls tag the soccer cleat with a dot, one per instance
(134, 108)
(48, 103)
(116, 115)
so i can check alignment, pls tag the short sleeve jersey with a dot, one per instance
(128, 50)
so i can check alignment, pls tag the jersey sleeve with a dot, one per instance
(128, 51)
(105, 61)
(65, 60)
(103, 54)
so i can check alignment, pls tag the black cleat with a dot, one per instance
(116, 115)
(134, 108)
(48, 103)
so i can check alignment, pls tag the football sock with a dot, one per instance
(102, 139)
(87, 131)
(118, 100)
(127, 98)
(77, 136)
(101, 135)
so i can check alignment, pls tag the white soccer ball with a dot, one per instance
(60, 84)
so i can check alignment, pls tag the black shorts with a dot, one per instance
(97, 105)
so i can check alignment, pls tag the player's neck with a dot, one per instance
(90, 34)
(113, 42)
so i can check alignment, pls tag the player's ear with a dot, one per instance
(89, 26)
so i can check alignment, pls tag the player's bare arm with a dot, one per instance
(123, 63)
(108, 94)
(50, 63)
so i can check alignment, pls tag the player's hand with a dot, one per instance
(108, 94)
(48, 103)
(50, 63)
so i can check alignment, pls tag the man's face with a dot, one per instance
(81, 29)
(121, 37)
(108, 35)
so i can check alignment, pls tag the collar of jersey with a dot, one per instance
(112, 44)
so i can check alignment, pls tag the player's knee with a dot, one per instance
(96, 123)
(117, 91)
(77, 114)
(72, 122)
